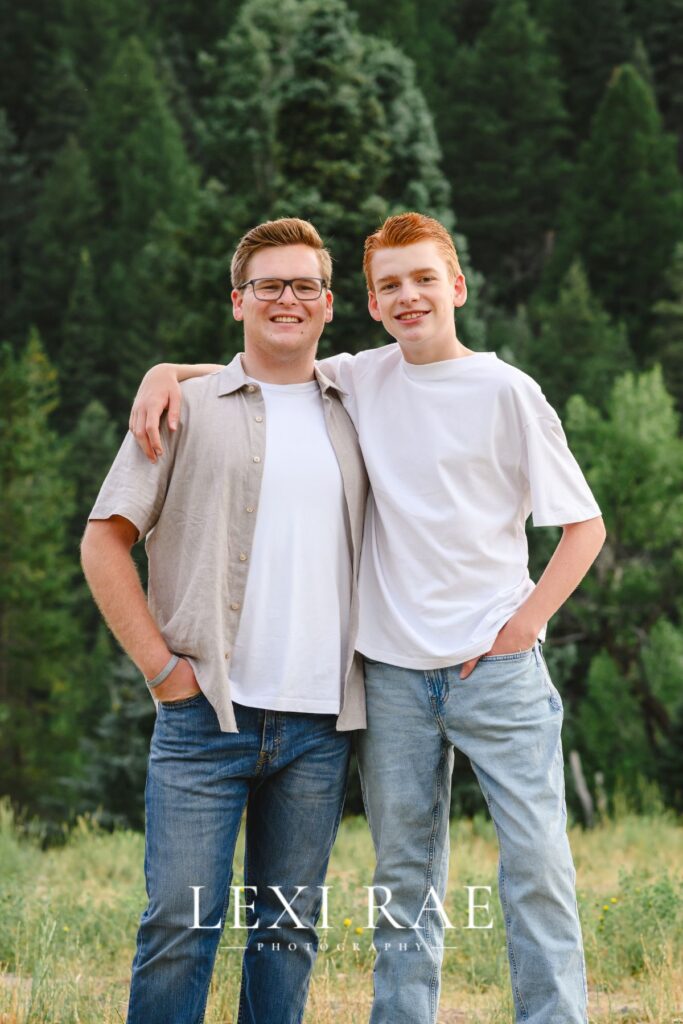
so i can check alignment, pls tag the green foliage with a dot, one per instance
(638, 925)
(590, 40)
(115, 752)
(14, 202)
(574, 348)
(610, 724)
(660, 23)
(82, 357)
(624, 216)
(629, 608)
(39, 640)
(64, 223)
(504, 153)
(666, 337)
(141, 140)
(137, 154)
(303, 112)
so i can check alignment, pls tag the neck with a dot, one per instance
(434, 350)
(297, 370)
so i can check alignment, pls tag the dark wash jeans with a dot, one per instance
(289, 771)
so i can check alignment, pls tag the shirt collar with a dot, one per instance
(232, 377)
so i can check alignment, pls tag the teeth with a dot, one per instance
(410, 316)
(286, 319)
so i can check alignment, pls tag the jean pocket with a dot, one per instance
(186, 702)
(513, 656)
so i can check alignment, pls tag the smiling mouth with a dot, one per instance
(414, 315)
(286, 320)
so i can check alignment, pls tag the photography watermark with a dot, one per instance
(296, 911)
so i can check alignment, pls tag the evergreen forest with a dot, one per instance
(139, 140)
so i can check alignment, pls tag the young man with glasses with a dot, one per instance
(252, 522)
(460, 448)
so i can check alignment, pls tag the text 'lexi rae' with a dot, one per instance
(378, 904)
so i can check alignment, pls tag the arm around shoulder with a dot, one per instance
(160, 390)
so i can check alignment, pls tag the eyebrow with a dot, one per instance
(393, 277)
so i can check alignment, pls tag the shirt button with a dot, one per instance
(257, 458)
(251, 388)
(249, 508)
(234, 606)
(243, 557)
(259, 419)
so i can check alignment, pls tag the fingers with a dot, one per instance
(174, 408)
(139, 431)
(151, 431)
(468, 667)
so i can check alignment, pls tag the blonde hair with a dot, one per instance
(406, 229)
(273, 233)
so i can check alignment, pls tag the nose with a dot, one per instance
(408, 291)
(288, 295)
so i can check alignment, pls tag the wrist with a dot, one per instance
(154, 663)
(527, 627)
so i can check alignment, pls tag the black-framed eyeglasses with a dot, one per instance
(270, 289)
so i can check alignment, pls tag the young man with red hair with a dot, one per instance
(460, 447)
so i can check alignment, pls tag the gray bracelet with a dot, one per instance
(165, 672)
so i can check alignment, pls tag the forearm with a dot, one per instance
(184, 371)
(577, 550)
(112, 577)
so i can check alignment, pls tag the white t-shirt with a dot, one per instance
(291, 646)
(458, 454)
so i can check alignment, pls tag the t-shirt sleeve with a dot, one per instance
(559, 491)
(339, 369)
(134, 487)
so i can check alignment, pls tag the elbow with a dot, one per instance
(592, 530)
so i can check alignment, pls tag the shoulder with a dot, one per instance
(523, 393)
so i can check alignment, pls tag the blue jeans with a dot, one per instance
(506, 717)
(289, 772)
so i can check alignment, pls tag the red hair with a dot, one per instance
(406, 229)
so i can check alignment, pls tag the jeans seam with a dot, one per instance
(429, 878)
(434, 703)
(514, 974)
(210, 973)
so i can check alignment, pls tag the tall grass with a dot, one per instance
(69, 917)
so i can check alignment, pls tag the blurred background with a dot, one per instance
(139, 140)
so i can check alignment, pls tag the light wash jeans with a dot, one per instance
(289, 771)
(506, 717)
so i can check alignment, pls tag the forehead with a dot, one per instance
(284, 261)
(406, 259)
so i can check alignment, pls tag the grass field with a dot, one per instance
(69, 917)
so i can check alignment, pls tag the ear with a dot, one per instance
(237, 303)
(373, 307)
(329, 303)
(459, 291)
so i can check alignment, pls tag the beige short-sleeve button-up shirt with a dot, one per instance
(195, 506)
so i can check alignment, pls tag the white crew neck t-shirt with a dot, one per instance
(299, 582)
(458, 454)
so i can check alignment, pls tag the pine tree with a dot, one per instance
(40, 682)
(309, 117)
(14, 202)
(574, 348)
(83, 361)
(660, 23)
(590, 40)
(504, 150)
(624, 216)
(137, 154)
(666, 337)
(65, 221)
(628, 611)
